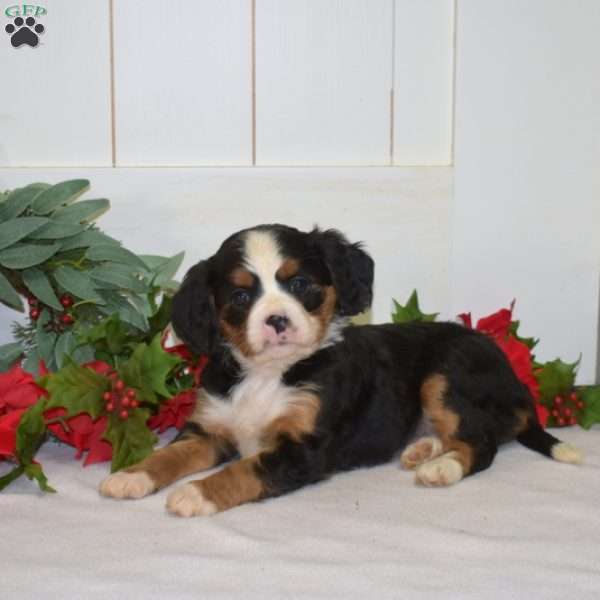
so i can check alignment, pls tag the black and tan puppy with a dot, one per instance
(292, 394)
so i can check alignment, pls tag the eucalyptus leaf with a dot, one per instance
(77, 283)
(57, 229)
(60, 194)
(83, 354)
(166, 271)
(9, 353)
(117, 275)
(39, 285)
(86, 239)
(20, 200)
(64, 347)
(84, 211)
(8, 295)
(46, 340)
(117, 254)
(22, 256)
(14, 230)
(31, 364)
(127, 313)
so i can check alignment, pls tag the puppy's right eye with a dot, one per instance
(240, 297)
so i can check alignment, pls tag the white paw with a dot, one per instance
(566, 453)
(187, 501)
(421, 451)
(441, 471)
(127, 485)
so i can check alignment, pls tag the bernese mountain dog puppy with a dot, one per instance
(293, 393)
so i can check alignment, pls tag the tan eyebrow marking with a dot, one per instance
(242, 278)
(289, 267)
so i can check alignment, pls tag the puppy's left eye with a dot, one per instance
(240, 297)
(298, 285)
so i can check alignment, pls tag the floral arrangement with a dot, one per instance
(91, 368)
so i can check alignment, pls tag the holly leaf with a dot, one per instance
(530, 342)
(131, 439)
(148, 368)
(591, 410)
(411, 311)
(77, 389)
(555, 378)
(7, 479)
(31, 432)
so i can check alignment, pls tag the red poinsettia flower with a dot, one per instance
(497, 326)
(175, 412)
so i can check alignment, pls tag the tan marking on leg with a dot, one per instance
(463, 453)
(421, 451)
(522, 417)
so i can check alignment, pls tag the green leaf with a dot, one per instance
(117, 276)
(411, 312)
(77, 283)
(31, 432)
(127, 313)
(8, 295)
(84, 211)
(148, 368)
(7, 479)
(16, 229)
(77, 389)
(161, 318)
(530, 342)
(116, 254)
(39, 285)
(131, 439)
(110, 335)
(34, 471)
(590, 415)
(167, 270)
(46, 340)
(56, 229)
(83, 354)
(31, 364)
(86, 239)
(65, 192)
(9, 353)
(65, 344)
(555, 378)
(23, 256)
(20, 200)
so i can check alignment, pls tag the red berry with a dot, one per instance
(110, 407)
(66, 300)
(119, 385)
(567, 412)
(555, 413)
(131, 393)
(125, 402)
(561, 422)
(34, 313)
(123, 414)
(67, 319)
(580, 404)
(134, 404)
(572, 421)
(32, 301)
(107, 396)
(558, 401)
(573, 396)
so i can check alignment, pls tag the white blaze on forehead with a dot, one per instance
(263, 257)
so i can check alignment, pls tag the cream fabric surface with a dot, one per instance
(527, 528)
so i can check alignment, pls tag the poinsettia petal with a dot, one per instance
(497, 323)
(8, 431)
(466, 319)
(100, 367)
(542, 414)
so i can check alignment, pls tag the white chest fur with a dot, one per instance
(252, 405)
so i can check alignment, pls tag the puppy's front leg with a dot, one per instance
(288, 467)
(193, 450)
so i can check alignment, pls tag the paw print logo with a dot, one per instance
(24, 32)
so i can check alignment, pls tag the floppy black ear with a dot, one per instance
(193, 311)
(351, 269)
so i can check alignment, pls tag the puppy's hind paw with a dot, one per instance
(188, 501)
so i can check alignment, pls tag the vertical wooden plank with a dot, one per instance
(423, 82)
(54, 106)
(183, 82)
(323, 78)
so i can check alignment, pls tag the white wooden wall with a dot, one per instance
(231, 82)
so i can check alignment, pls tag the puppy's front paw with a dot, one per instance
(441, 471)
(188, 501)
(127, 485)
(420, 451)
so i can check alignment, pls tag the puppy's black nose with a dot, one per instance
(278, 323)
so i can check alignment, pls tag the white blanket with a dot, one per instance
(527, 528)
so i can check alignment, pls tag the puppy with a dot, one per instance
(292, 393)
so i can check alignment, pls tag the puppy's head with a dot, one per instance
(272, 293)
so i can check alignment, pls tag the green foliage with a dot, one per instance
(555, 378)
(49, 248)
(590, 414)
(411, 311)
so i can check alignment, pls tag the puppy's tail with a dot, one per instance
(536, 438)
